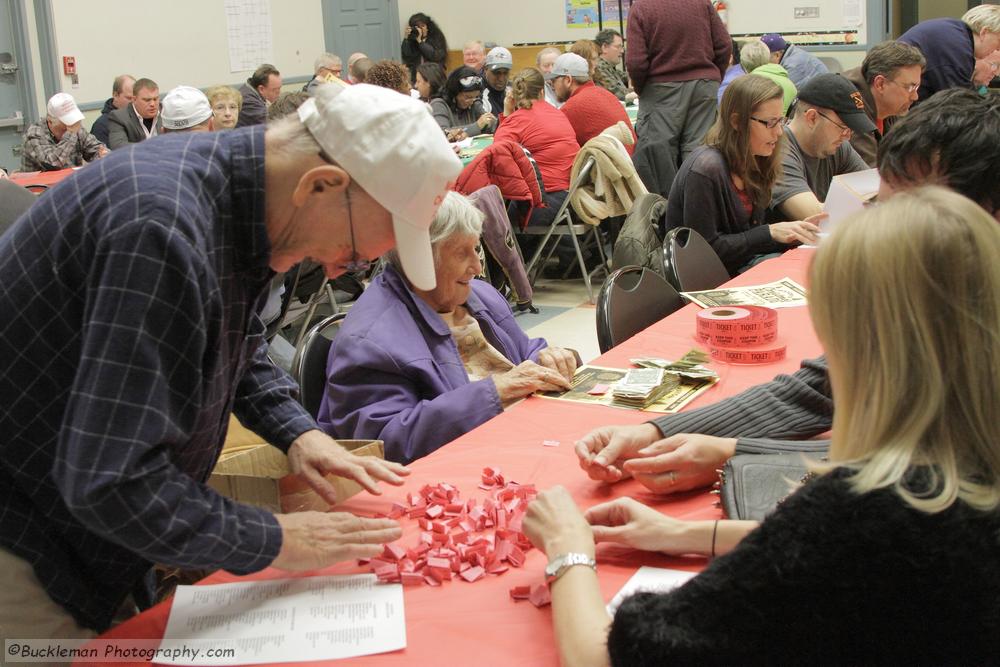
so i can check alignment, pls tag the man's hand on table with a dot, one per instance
(315, 454)
(560, 360)
(313, 540)
(663, 465)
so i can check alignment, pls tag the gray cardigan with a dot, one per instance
(448, 117)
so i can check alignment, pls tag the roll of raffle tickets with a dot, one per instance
(740, 334)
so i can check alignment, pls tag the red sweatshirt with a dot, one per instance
(675, 40)
(546, 132)
(591, 110)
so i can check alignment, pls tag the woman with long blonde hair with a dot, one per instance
(890, 554)
(724, 187)
(545, 131)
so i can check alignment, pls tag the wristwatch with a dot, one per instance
(557, 566)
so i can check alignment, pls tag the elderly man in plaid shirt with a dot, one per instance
(59, 141)
(131, 294)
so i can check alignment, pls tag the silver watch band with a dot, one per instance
(558, 566)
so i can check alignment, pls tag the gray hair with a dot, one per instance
(546, 50)
(326, 61)
(456, 216)
(983, 17)
(754, 54)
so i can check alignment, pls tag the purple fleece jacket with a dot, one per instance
(394, 372)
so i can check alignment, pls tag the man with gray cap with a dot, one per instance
(129, 344)
(496, 73)
(829, 110)
(590, 108)
(59, 141)
(186, 109)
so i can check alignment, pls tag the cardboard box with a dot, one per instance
(259, 476)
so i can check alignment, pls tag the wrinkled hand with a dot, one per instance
(603, 451)
(629, 522)
(555, 525)
(525, 379)
(798, 231)
(312, 540)
(681, 462)
(560, 360)
(315, 454)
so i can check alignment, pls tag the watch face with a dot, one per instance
(552, 568)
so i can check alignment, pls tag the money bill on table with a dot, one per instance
(784, 293)
(679, 394)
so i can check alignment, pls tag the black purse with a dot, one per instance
(751, 486)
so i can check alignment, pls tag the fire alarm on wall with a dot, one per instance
(69, 65)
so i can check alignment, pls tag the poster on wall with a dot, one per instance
(584, 14)
(249, 32)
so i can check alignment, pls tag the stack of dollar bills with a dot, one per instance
(641, 387)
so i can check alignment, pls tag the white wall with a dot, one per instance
(175, 42)
(526, 21)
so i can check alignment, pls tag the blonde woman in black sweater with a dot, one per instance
(891, 555)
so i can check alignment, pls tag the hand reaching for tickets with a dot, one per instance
(313, 540)
(525, 379)
(560, 360)
(315, 454)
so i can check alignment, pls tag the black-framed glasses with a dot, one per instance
(356, 264)
(770, 123)
(843, 128)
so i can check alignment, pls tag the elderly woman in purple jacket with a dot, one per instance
(418, 369)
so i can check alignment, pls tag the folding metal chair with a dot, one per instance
(631, 299)
(309, 364)
(562, 225)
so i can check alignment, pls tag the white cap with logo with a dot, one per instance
(183, 108)
(63, 108)
(569, 64)
(394, 149)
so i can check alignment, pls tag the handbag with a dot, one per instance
(751, 486)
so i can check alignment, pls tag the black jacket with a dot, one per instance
(100, 127)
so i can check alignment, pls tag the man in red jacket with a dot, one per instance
(590, 108)
(677, 53)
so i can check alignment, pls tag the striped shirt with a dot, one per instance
(130, 294)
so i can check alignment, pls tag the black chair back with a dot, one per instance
(690, 264)
(309, 364)
(14, 201)
(631, 299)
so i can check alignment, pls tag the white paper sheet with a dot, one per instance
(649, 580)
(249, 32)
(847, 196)
(284, 620)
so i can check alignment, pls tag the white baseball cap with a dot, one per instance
(395, 150)
(63, 107)
(569, 64)
(499, 58)
(183, 108)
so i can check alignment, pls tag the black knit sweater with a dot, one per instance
(832, 577)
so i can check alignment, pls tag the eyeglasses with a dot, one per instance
(846, 131)
(468, 81)
(910, 88)
(356, 264)
(770, 123)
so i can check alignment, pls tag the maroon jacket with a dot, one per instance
(675, 40)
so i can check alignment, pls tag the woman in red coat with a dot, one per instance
(546, 132)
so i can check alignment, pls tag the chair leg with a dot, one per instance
(538, 251)
(583, 265)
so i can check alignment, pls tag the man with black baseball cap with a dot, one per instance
(828, 111)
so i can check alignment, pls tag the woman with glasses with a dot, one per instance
(889, 554)
(418, 368)
(724, 187)
(459, 110)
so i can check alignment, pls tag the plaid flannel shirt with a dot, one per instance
(130, 294)
(41, 151)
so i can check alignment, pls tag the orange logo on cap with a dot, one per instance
(859, 102)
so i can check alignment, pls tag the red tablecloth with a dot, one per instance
(46, 178)
(478, 623)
